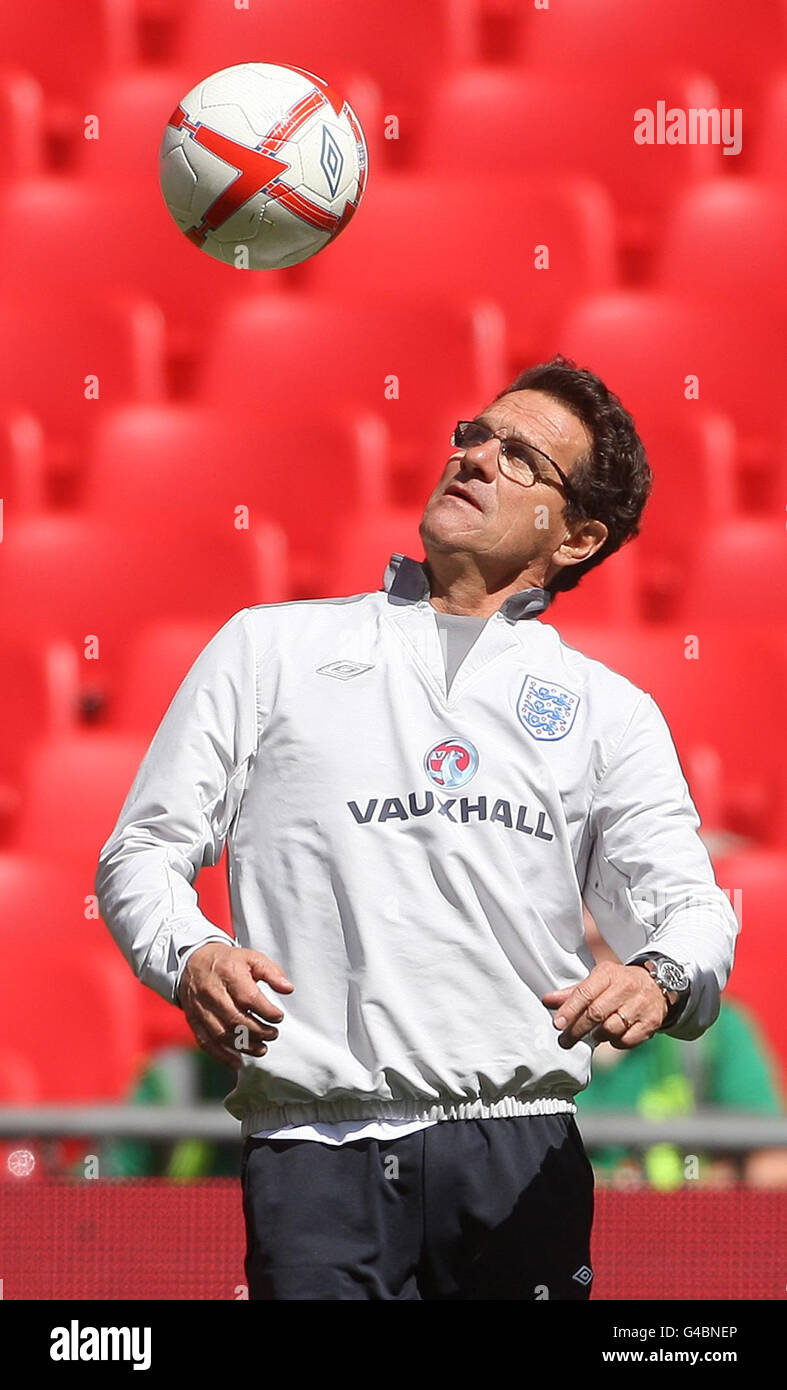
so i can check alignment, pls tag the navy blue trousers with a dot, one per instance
(467, 1209)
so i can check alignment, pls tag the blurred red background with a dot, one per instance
(514, 130)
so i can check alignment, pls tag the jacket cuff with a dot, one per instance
(166, 959)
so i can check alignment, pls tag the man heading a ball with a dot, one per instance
(419, 788)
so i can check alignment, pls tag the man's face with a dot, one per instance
(510, 526)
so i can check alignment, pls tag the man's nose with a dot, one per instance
(482, 458)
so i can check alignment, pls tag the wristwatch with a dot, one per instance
(672, 980)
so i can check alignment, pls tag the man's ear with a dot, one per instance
(583, 541)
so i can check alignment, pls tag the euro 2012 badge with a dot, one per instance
(547, 710)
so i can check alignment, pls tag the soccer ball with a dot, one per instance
(261, 165)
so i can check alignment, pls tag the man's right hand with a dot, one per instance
(217, 990)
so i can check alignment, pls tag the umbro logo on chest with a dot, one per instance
(343, 670)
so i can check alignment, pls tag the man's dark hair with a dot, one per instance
(611, 482)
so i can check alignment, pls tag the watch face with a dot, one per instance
(672, 975)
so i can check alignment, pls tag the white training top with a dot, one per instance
(414, 857)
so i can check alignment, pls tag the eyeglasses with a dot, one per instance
(518, 460)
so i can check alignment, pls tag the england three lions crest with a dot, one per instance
(546, 710)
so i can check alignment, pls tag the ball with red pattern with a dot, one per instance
(262, 165)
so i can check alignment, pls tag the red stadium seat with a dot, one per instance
(46, 897)
(780, 473)
(139, 249)
(646, 344)
(727, 238)
(82, 1034)
(19, 1082)
(489, 120)
(756, 881)
(398, 46)
(302, 476)
(688, 448)
(21, 125)
(448, 235)
(22, 464)
(734, 43)
(52, 902)
(155, 662)
(72, 790)
(67, 344)
(132, 108)
(417, 363)
(89, 1042)
(64, 53)
(739, 575)
(364, 544)
(706, 696)
(40, 697)
(770, 142)
(95, 583)
(612, 589)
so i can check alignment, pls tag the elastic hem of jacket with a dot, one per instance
(333, 1112)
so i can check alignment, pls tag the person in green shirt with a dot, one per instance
(184, 1159)
(728, 1067)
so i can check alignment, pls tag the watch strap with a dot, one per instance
(674, 1009)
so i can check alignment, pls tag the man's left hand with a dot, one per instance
(622, 1003)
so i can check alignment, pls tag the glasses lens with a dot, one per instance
(518, 462)
(468, 434)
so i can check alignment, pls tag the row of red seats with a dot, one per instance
(351, 35)
(93, 582)
(483, 118)
(418, 364)
(738, 46)
(175, 467)
(723, 242)
(87, 992)
(532, 242)
(736, 43)
(407, 237)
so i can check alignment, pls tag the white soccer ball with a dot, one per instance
(261, 165)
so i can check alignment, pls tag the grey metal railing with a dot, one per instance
(704, 1129)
